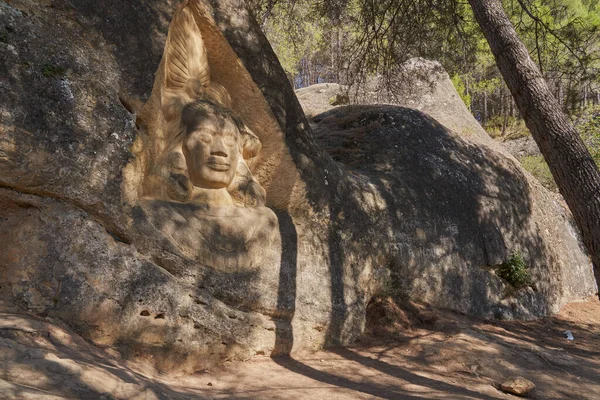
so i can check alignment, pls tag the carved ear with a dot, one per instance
(251, 144)
(186, 63)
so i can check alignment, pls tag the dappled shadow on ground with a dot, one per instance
(41, 359)
(395, 391)
(343, 382)
(446, 342)
(431, 354)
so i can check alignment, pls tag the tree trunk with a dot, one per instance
(485, 108)
(335, 49)
(504, 111)
(572, 167)
(468, 92)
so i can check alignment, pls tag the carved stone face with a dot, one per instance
(211, 148)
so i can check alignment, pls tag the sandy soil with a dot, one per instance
(409, 352)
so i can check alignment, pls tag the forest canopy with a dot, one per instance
(347, 41)
(351, 42)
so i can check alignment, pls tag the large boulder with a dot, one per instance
(83, 243)
(455, 210)
(356, 135)
(387, 199)
(424, 85)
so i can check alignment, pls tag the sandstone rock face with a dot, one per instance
(396, 203)
(419, 84)
(425, 86)
(321, 97)
(359, 137)
(454, 210)
(315, 98)
(149, 277)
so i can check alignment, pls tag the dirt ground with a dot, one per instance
(409, 352)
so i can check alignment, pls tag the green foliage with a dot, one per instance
(588, 126)
(515, 127)
(514, 271)
(299, 35)
(53, 71)
(339, 100)
(349, 41)
(461, 88)
(537, 166)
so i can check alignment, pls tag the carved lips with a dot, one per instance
(218, 164)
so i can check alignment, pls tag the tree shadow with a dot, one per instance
(399, 191)
(452, 211)
(401, 373)
(286, 290)
(372, 389)
(428, 339)
(52, 360)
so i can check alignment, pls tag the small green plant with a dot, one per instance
(461, 88)
(339, 99)
(514, 270)
(52, 71)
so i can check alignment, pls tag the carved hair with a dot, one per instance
(188, 94)
(188, 89)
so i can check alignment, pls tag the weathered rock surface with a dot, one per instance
(401, 194)
(425, 86)
(460, 208)
(518, 386)
(82, 245)
(522, 147)
(42, 359)
(315, 98)
(365, 138)
(419, 84)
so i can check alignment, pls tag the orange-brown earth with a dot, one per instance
(409, 352)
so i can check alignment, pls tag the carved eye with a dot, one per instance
(205, 138)
(229, 141)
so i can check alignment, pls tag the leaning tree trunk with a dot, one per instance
(572, 167)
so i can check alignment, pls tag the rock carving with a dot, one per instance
(202, 157)
(199, 191)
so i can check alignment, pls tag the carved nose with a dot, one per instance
(218, 148)
(218, 153)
